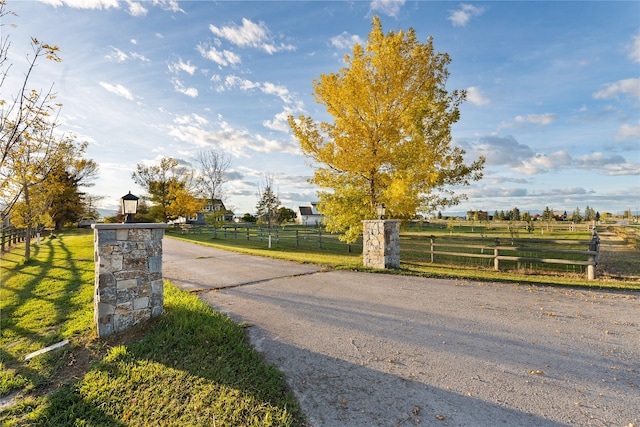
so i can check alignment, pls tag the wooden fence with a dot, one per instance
(11, 236)
(499, 253)
(287, 236)
(505, 252)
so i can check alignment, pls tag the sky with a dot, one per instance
(553, 89)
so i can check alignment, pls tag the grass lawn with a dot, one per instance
(335, 256)
(191, 366)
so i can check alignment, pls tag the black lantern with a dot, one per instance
(129, 204)
(381, 210)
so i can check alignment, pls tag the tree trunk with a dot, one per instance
(27, 243)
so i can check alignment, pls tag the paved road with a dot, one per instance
(364, 349)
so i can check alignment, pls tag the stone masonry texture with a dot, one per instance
(381, 243)
(128, 265)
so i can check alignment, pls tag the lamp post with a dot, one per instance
(381, 210)
(129, 204)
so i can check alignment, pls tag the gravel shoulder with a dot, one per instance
(364, 349)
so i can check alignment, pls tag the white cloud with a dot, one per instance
(346, 41)
(237, 142)
(476, 97)
(139, 57)
(533, 119)
(117, 55)
(232, 81)
(626, 132)
(634, 53)
(220, 57)
(280, 91)
(626, 87)
(280, 120)
(619, 169)
(463, 15)
(537, 119)
(182, 66)
(245, 35)
(169, 5)
(501, 151)
(541, 163)
(250, 34)
(136, 8)
(507, 152)
(118, 90)
(613, 165)
(388, 7)
(179, 87)
(84, 4)
(268, 88)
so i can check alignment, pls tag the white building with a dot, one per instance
(309, 215)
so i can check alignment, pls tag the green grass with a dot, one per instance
(336, 256)
(191, 366)
(43, 301)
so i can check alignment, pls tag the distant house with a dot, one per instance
(309, 215)
(216, 206)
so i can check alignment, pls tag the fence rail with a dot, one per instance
(505, 250)
(298, 237)
(11, 236)
(499, 253)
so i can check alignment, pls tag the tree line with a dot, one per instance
(548, 215)
(175, 189)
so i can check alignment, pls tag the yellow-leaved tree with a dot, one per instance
(390, 141)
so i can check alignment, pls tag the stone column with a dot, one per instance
(128, 285)
(381, 243)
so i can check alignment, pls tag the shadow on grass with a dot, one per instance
(40, 295)
(191, 366)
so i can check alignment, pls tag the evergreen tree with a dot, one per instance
(577, 217)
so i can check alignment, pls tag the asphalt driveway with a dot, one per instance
(363, 349)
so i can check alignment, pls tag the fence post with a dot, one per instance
(247, 233)
(433, 254)
(297, 239)
(594, 245)
(320, 239)
(496, 254)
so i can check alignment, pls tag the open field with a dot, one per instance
(191, 366)
(619, 266)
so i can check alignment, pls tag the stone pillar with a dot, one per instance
(381, 243)
(128, 285)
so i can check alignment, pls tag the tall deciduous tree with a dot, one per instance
(29, 187)
(390, 140)
(213, 165)
(171, 188)
(25, 116)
